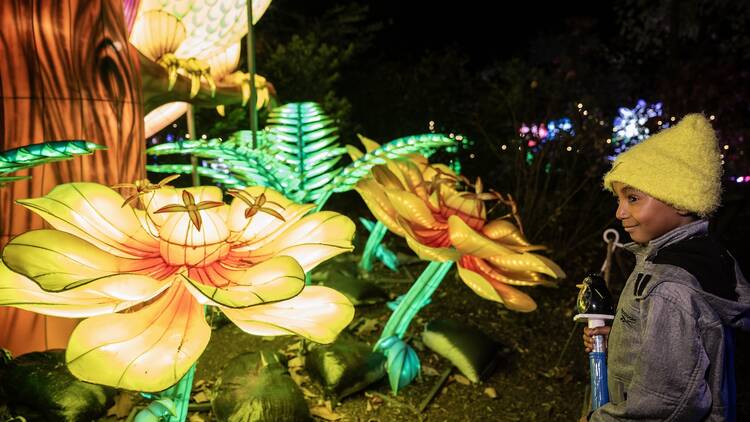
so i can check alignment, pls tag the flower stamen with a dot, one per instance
(190, 207)
(256, 204)
(143, 186)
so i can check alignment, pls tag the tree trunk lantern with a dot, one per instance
(68, 72)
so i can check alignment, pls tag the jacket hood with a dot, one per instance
(717, 276)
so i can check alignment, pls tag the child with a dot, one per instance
(671, 345)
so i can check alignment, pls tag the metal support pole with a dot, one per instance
(251, 70)
(193, 137)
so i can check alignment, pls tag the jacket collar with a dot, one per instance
(696, 228)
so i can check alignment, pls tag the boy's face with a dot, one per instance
(644, 217)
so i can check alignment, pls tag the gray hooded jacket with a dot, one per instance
(670, 351)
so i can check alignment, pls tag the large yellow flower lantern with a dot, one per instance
(419, 201)
(140, 275)
(422, 202)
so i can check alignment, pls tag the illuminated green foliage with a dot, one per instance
(361, 167)
(302, 137)
(235, 164)
(297, 155)
(37, 154)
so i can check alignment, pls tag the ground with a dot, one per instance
(540, 378)
(543, 375)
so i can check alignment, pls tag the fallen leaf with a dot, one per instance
(201, 397)
(375, 400)
(296, 362)
(307, 392)
(429, 371)
(490, 392)
(461, 379)
(196, 417)
(325, 413)
(294, 347)
(298, 376)
(123, 405)
(368, 326)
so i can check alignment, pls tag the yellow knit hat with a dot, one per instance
(680, 165)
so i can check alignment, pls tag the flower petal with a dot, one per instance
(182, 243)
(318, 313)
(527, 262)
(558, 272)
(504, 231)
(354, 153)
(479, 284)
(413, 209)
(310, 241)
(426, 252)
(374, 196)
(368, 143)
(411, 176)
(278, 278)
(469, 242)
(507, 295)
(146, 350)
(158, 199)
(21, 292)
(388, 176)
(429, 171)
(95, 213)
(466, 205)
(59, 261)
(515, 278)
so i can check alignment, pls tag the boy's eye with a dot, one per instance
(632, 198)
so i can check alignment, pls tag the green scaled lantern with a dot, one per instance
(37, 154)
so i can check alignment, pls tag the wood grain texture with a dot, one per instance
(68, 72)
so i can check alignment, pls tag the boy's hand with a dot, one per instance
(590, 332)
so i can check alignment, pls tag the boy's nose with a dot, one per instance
(622, 211)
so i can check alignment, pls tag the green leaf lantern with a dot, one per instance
(306, 140)
(377, 154)
(37, 154)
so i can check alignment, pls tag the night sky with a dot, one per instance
(485, 30)
(692, 56)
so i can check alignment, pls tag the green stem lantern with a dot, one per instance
(375, 248)
(402, 362)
